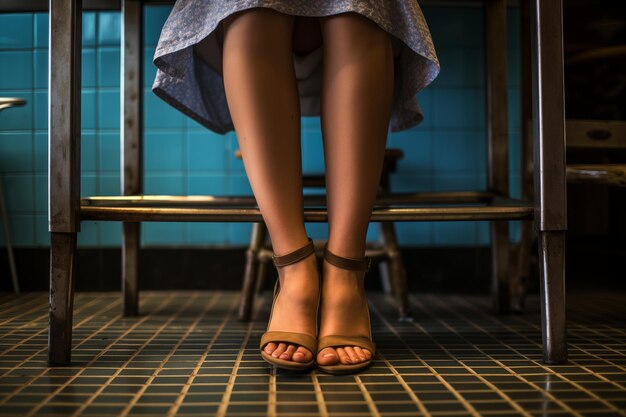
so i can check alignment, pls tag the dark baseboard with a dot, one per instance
(458, 270)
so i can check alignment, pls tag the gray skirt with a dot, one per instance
(189, 60)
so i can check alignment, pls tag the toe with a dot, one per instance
(270, 348)
(367, 353)
(288, 353)
(279, 350)
(343, 356)
(354, 358)
(361, 353)
(302, 354)
(327, 356)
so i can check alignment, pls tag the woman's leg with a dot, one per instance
(356, 105)
(262, 97)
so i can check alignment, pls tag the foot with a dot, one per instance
(295, 309)
(343, 312)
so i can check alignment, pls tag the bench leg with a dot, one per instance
(251, 271)
(500, 271)
(398, 272)
(552, 293)
(130, 268)
(261, 276)
(62, 274)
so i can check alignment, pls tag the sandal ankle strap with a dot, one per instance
(347, 263)
(295, 256)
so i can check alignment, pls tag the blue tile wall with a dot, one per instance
(446, 152)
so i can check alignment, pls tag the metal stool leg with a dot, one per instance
(250, 275)
(131, 145)
(497, 129)
(130, 268)
(62, 275)
(7, 240)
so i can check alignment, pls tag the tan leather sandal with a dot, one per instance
(336, 341)
(301, 339)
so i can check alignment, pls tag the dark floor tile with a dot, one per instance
(455, 357)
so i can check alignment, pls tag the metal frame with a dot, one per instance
(67, 210)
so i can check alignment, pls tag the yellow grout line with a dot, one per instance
(545, 392)
(368, 398)
(470, 369)
(454, 392)
(406, 386)
(577, 385)
(181, 396)
(13, 305)
(44, 371)
(44, 316)
(319, 395)
(221, 411)
(156, 371)
(271, 395)
(90, 400)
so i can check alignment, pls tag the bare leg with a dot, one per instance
(356, 106)
(262, 97)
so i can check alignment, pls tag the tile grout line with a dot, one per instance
(156, 371)
(271, 394)
(454, 392)
(319, 395)
(58, 390)
(368, 398)
(39, 332)
(221, 411)
(406, 386)
(46, 370)
(472, 371)
(590, 393)
(532, 384)
(179, 399)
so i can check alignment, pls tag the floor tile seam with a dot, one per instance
(221, 411)
(546, 392)
(493, 387)
(165, 302)
(371, 404)
(184, 391)
(407, 389)
(32, 336)
(623, 368)
(319, 395)
(580, 388)
(46, 370)
(468, 406)
(18, 306)
(271, 394)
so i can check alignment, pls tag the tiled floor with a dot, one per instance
(188, 355)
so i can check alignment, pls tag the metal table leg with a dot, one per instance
(497, 132)
(549, 165)
(63, 170)
(131, 141)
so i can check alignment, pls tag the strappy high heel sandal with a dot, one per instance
(336, 341)
(302, 339)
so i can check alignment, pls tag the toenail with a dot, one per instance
(328, 355)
